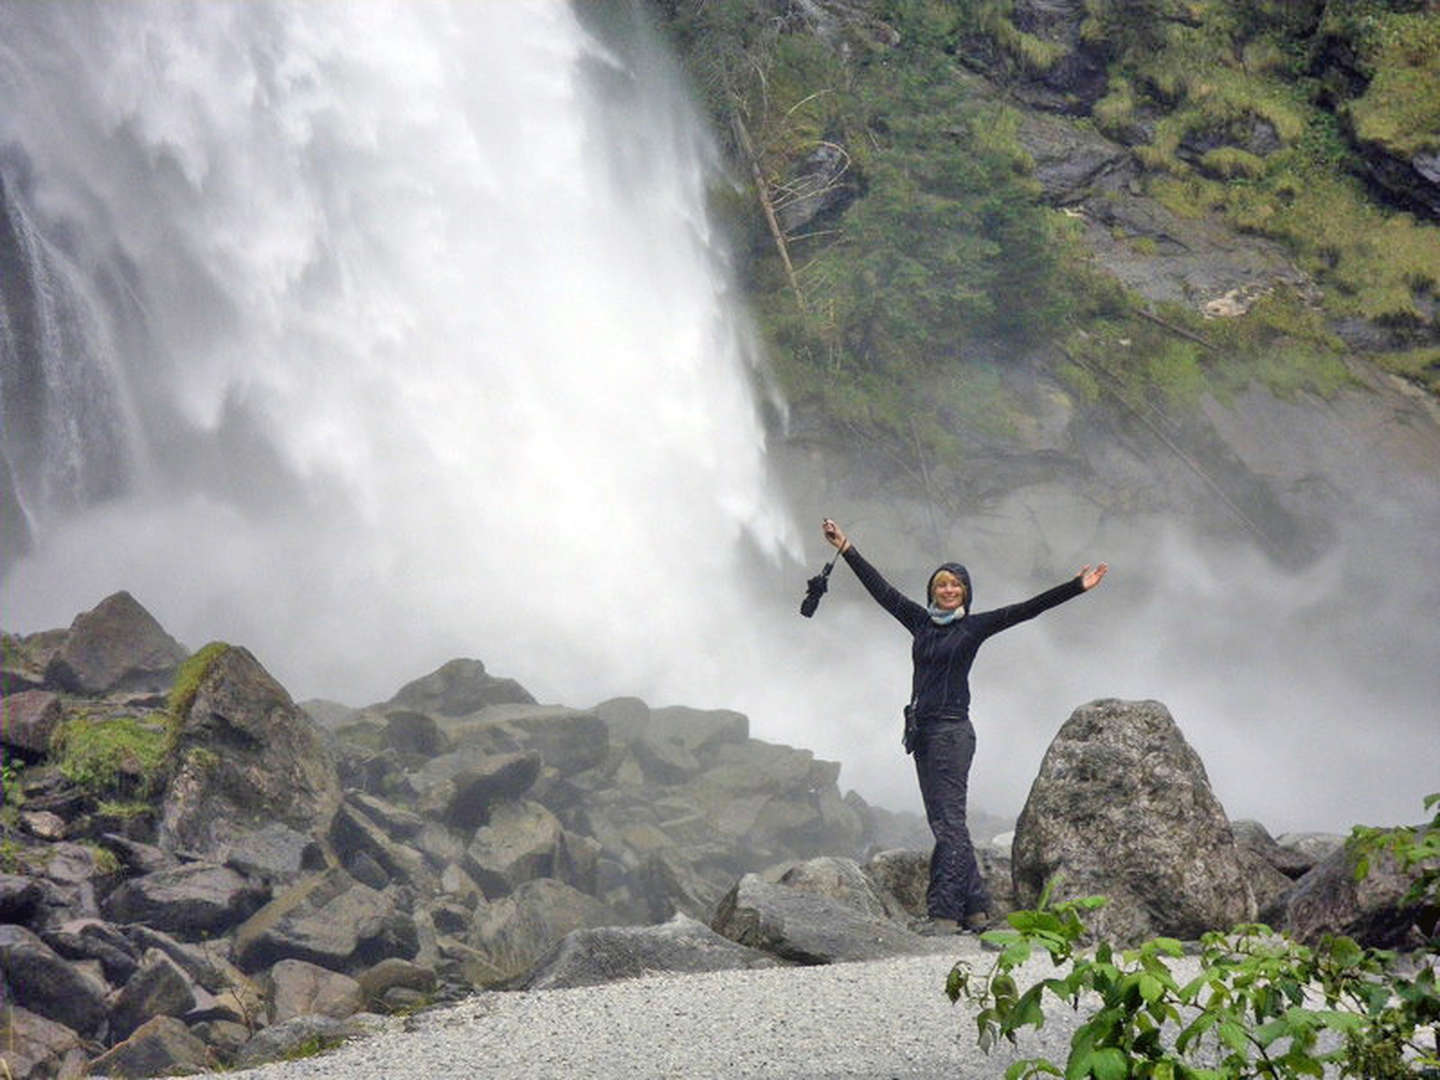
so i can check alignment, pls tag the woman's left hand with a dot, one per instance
(1090, 578)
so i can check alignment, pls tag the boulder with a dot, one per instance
(513, 933)
(28, 720)
(162, 1047)
(567, 740)
(700, 730)
(24, 658)
(45, 983)
(329, 919)
(300, 1034)
(192, 901)
(484, 781)
(398, 822)
(844, 881)
(459, 688)
(19, 898)
(352, 831)
(1329, 900)
(91, 939)
(664, 761)
(414, 734)
(298, 988)
(117, 645)
(518, 845)
(625, 718)
(905, 875)
(158, 988)
(1122, 806)
(207, 962)
(274, 853)
(136, 856)
(807, 928)
(1270, 867)
(248, 758)
(1314, 847)
(393, 973)
(33, 1046)
(609, 953)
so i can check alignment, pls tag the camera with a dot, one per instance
(814, 590)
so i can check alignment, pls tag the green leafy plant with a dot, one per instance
(1262, 1005)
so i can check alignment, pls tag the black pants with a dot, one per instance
(943, 753)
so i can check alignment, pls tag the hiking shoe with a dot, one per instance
(977, 922)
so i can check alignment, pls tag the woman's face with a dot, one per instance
(947, 591)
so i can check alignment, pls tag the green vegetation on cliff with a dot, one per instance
(934, 265)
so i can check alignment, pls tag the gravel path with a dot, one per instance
(880, 1019)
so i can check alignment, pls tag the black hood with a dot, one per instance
(960, 572)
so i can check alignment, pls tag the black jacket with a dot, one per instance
(943, 654)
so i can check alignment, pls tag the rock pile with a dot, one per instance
(197, 872)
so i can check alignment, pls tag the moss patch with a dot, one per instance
(111, 757)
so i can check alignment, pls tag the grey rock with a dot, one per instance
(283, 1040)
(807, 928)
(274, 853)
(459, 688)
(1329, 900)
(700, 730)
(19, 898)
(35, 1046)
(414, 733)
(904, 874)
(1315, 846)
(518, 845)
(158, 988)
(352, 831)
(329, 919)
(206, 962)
(513, 933)
(91, 939)
(841, 880)
(45, 983)
(486, 781)
(117, 645)
(567, 740)
(664, 761)
(392, 973)
(625, 718)
(29, 719)
(298, 988)
(1122, 807)
(163, 1046)
(223, 1037)
(1069, 161)
(398, 822)
(249, 757)
(605, 954)
(136, 856)
(192, 901)
(1253, 837)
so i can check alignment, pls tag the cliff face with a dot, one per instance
(1126, 256)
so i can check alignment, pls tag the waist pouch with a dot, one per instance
(912, 729)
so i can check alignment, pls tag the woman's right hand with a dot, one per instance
(835, 535)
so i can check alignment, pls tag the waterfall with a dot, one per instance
(369, 335)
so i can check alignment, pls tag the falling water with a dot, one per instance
(369, 335)
(397, 332)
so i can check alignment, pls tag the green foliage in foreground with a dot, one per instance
(1261, 1006)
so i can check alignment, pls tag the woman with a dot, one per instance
(946, 635)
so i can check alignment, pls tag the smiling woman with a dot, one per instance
(939, 733)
